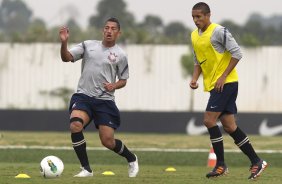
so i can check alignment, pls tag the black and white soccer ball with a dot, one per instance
(51, 167)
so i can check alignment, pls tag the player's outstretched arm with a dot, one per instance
(65, 54)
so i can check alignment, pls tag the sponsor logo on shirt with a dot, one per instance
(112, 57)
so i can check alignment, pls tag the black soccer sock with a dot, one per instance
(217, 143)
(79, 145)
(243, 142)
(122, 150)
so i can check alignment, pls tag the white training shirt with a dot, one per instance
(100, 64)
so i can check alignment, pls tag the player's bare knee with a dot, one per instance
(209, 123)
(76, 124)
(229, 129)
(108, 143)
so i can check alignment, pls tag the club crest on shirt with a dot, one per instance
(112, 57)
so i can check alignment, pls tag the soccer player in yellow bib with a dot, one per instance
(216, 53)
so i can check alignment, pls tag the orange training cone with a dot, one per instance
(211, 158)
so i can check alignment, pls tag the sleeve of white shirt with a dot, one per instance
(223, 40)
(123, 70)
(77, 52)
(196, 62)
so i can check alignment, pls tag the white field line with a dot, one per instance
(133, 149)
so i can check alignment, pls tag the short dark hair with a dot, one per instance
(202, 6)
(113, 19)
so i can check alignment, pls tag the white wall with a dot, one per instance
(156, 80)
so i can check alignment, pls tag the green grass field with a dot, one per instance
(190, 166)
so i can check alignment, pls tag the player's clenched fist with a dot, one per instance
(194, 85)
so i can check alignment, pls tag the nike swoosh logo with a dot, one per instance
(193, 129)
(265, 130)
(203, 61)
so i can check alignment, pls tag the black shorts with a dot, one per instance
(102, 112)
(224, 101)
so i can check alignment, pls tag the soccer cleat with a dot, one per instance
(133, 168)
(256, 169)
(84, 173)
(218, 170)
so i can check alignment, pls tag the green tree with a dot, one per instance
(234, 28)
(152, 26)
(92, 33)
(75, 31)
(37, 32)
(176, 32)
(110, 8)
(250, 40)
(254, 32)
(15, 18)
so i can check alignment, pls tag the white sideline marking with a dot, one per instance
(133, 149)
